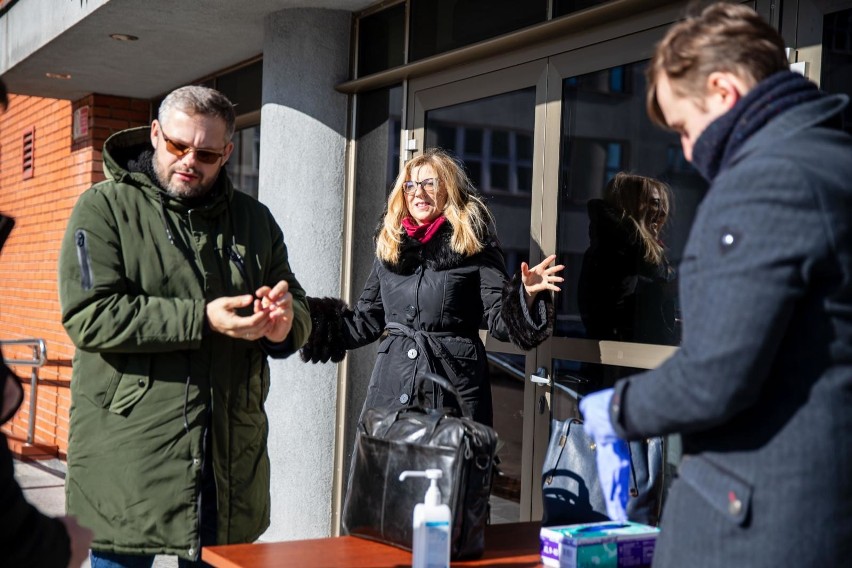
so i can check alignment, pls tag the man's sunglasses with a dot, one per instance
(180, 150)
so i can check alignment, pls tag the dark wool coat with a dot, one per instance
(27, 537)
(761, 388)
(428, 309)
(622, 296)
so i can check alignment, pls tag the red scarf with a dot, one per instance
(422, 232)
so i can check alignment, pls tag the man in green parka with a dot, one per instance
(175, 288)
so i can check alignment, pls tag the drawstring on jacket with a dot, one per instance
(165, 219)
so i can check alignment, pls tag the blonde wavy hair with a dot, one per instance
(463, 207)
(633, 196)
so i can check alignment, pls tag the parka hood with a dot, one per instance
(127, 158)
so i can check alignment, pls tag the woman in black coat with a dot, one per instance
(627, 289)
(438, 276)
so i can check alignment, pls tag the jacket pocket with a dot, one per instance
(723, 490)
(131, 386)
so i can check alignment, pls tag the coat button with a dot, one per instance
(410, 312)
(412, 353)
(141, 383)
(403, 398)
(735, 507)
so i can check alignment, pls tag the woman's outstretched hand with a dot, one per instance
(541, 277)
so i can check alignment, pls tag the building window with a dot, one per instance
(381, 40)
(497, 160)
(563, 7)
(243, 166)
(438, 26)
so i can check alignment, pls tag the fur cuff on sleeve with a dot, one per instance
(526, 330)
(326, 340)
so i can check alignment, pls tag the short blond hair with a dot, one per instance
(721, 37)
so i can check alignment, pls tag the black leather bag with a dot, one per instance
(378, 506)
(571, 489)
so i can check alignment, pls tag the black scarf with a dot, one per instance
(725, 135)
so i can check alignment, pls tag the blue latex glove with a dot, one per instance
(614, 472)
(612, 454)
(596, 422)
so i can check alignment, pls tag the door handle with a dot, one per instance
(540, 377)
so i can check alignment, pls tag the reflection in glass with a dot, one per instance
(493, 139)
(243, 166)
(562, 7)
(627, 287)
(506, 372)
(442, 25)
(381, 40)
(573, 380)
(605, 130)
(837, 58)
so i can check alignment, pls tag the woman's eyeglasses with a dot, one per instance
(180, 150)
(427, 185)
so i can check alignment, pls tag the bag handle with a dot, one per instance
(634, 489)
(446, 385)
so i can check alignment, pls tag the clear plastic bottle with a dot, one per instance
(431, 525)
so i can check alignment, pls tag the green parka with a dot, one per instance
(135, 272)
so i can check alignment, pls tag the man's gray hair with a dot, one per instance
(195, 99)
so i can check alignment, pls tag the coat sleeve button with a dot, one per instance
(735, 507)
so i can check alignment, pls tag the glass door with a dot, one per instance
(821, 33)
(543, 140)
(490, 124)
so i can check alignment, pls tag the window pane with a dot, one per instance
(381, 40)
(562, 7)
(620, 285)
(500, 176)
(510, 115)
(243, 165)
(473, 141)
(441, 25)
(500, 144)
(243, 87)
(837, 58)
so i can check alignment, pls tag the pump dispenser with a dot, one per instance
(430, 525)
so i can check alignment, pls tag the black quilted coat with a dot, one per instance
(428, 309)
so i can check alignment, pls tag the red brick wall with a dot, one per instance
(41, 205)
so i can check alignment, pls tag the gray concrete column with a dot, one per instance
(302, 164)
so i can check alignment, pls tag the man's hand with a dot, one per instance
(222, 317)
(80, 538)
(277, 302)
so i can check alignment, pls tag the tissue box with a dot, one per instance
(600, 545)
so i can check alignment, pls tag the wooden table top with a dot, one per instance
(506, 545)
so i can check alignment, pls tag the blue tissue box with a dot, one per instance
(600, 545)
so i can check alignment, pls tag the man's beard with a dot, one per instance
(181, 190)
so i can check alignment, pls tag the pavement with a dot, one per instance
(43, 484)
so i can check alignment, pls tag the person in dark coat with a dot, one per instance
(761, 388)
(27, 536)
(438, 276)
(627, 289)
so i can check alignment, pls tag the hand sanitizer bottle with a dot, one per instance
(431, 525)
